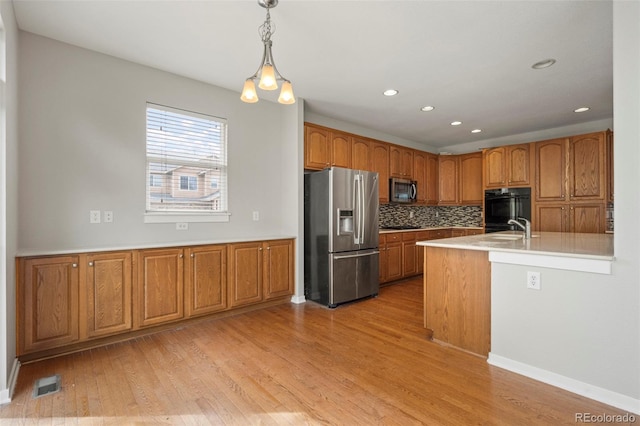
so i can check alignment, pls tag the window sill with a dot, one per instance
(186, 218)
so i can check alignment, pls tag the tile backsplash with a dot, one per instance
(395, 215)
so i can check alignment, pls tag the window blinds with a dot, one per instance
(186, 161)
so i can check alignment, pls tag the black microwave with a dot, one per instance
(402, 190)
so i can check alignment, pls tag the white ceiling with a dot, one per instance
(470, 59)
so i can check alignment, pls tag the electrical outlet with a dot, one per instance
(411, 214)
(94, 216)
(182, 226)
(256, 215)
(533, 280)
(107, 216)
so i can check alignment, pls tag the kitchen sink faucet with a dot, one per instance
(526, 227)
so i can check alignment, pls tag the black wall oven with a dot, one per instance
(501, 205)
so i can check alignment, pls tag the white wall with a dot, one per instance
(8, 197)
(82, 147)
(584, 329)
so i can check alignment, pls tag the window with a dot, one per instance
(186, 153)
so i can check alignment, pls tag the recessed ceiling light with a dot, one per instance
(456, 123)
(543, 64)
(390, 92)
(581, 109)
(427, 108)
(476, 130)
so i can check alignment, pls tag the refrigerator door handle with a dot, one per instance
(362, 212)
(356, 203)
(349, 256)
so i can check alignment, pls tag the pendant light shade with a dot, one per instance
(267, 71)
(249, 94)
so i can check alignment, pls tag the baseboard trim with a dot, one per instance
(599, 394)
(7, 394)
(298, 299)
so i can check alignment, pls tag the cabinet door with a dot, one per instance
(495, 167)
(49, 297)
(394, 261)
(245, 273)
(407, 162)
(518, 157)
(107, 294)
(448, 180)
(432, 179)
(587, 218)
(409, 254)
(395, 161)
(360, 154)
(420, 236)
(382, 264)
(420, 175)
(278, 269)
(317, 148)
(587, 167)
(160, 286)
(470, 166)
(380, 157)
(205, 280)
(551, 217)
(340, 149)
(551, 170)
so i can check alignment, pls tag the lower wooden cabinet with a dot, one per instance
(160, 289)
(81, 299)
(106, 294)
(409, 254)
(48, 303)
(205, 280)
(390, 258)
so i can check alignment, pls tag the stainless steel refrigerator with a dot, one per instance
(340, 235)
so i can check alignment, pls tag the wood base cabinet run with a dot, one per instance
(457, 298)
(74, 302)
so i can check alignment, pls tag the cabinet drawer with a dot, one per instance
(408, 236)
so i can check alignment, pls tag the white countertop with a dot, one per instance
(557, 244)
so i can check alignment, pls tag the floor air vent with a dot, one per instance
(46, 386)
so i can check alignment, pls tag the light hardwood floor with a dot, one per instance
(365, 363)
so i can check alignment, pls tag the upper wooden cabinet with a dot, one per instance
(572, 169)
(507, 166)
(609, 166)
(470, 169)
(160, 284)
(448, 180)
(432, 179)
(587, 167)
(325, 148)
(425, 173)
(380, 164)
(361, 154)
(401, 162)
(48, 303)
(106, 294)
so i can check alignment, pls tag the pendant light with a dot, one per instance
(267, 71)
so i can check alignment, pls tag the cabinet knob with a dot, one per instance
(268, 248)
(181, 256)
(260, 249)
(90, 263)
(193, 255)
(74, 265)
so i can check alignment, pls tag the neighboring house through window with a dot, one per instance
(186, 165)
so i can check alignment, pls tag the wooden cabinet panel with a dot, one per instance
(340, 149)
(382, 258)
(107, 294)
(160, 286)
(470, 178)
(609, 178)
(518, 161)
(361, 154)
(205, 280)
(394, 261)
(432, 180)
(448, 180)
(278, 269)
(458, 232)
(48, 298)
(495, 172)
(587, 218)
(587, 167)
(317, 147)
(245, 273)
(420, 175)
(380, 159)
(551, 217)
(400, 162)
(473, 231)
(409, 254)
(551, 170)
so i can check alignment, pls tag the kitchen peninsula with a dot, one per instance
(458, 281)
